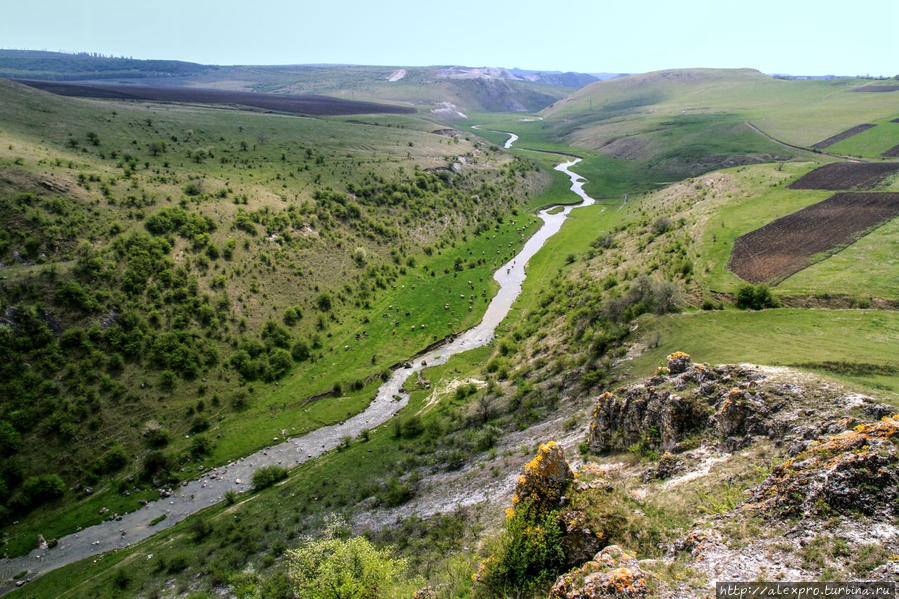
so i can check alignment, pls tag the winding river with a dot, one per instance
(235, 476)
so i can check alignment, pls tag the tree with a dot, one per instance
(335, 568)
(157, 147)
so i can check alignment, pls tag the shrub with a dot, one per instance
(201, 445)
(530, 554)
(9, 438)
(41, 489)
(115, 459)
(267, 476)
(323, 302)
(334, 568)
(279, 363)
(300, 351)
(755, 297)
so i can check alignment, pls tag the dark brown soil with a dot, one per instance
(892, 152)
(845, 175)
(841, 136)
(296, 104)
(877, 88)
(787, 245)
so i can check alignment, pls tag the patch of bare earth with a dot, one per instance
(789, 244)
(843, 135)
(845, 175)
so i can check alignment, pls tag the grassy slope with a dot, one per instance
(33, 135)
(873, 142)
(796, 111)
(780, 337)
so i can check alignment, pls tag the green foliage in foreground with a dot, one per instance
(529, 556)
(336, 568)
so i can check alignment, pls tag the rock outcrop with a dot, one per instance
(853, 471)
(543, 483)
(684, 402)
(612, 573)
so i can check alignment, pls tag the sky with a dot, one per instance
(800, 37)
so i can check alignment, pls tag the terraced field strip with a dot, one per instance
(789, 244)
(845, 175)
(844, 135)
(296, 104)
(877, 88)
(892, 152)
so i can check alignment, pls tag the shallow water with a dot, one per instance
(212, 486)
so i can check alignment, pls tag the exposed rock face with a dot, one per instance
(669, 465)
(612, 573)
(741, 413)
(855, 470)
(544, 480)
(683, 400)
(579, 543)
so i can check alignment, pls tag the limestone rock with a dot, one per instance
(579, 543)
(613, 573)
(853, 471)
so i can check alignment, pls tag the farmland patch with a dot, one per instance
(892, 152)
(296, 104)
(789, 244)
(844, 135)
(845, 175)
(877, 88)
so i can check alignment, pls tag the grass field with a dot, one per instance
(871, 143)
(760, 196)
(780, 337)
(800, 112)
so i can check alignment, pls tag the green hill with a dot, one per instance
(684, 121)
(170, 271)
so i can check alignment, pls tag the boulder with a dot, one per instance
(612, 573)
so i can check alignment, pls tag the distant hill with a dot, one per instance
(72, 67)
(465, 88)
(798, 111)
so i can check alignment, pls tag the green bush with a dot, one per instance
(530, 554)
(41, 489)
(755, 297)
(334, 568)
(267, 476)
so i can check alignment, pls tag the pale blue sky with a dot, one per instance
(812, 37)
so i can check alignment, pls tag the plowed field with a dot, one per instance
(892, 152)
(845, 175)
(789, 244)
(844, 135)
(297, 104)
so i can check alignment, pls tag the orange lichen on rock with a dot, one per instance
(855, 470)
(611, 573)
(677, 362)
(544, 480)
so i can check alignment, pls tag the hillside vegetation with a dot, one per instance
(179, 282)
(643, 424)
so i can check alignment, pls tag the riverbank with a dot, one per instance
(211, 488)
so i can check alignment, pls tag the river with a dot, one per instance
(210, 489)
